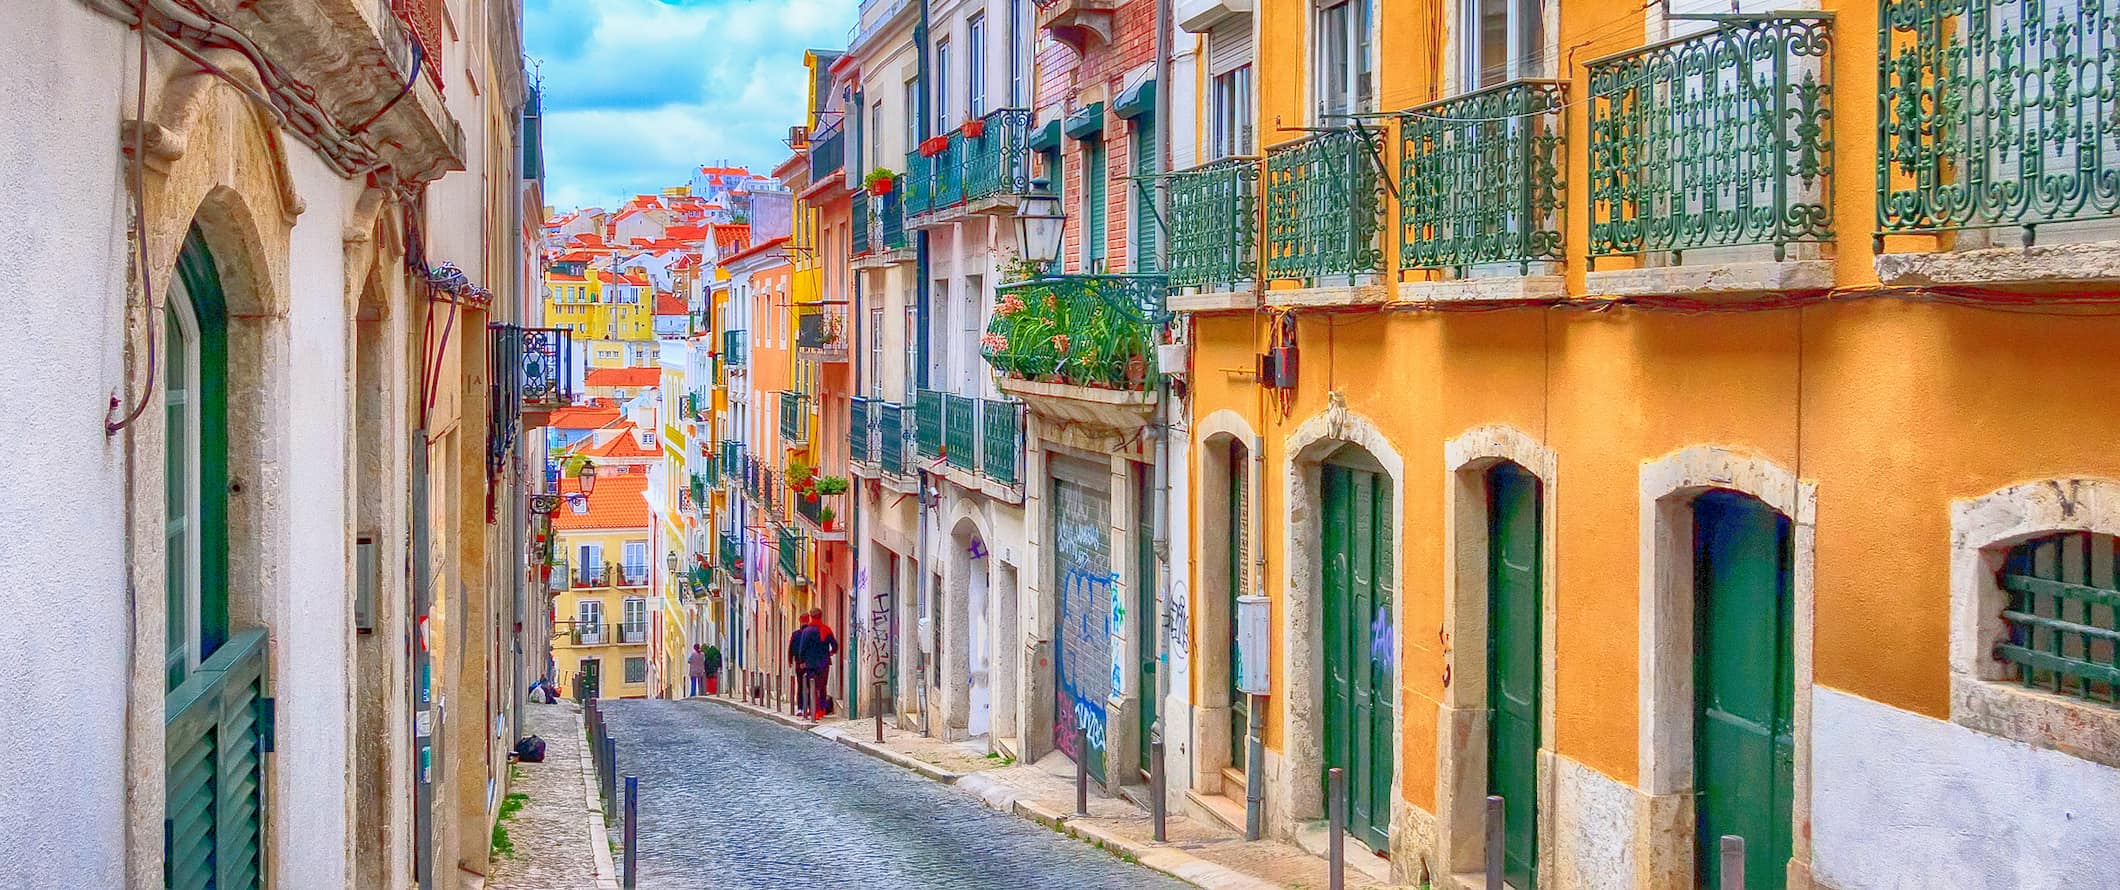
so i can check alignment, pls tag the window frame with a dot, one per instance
(975, 65)
(942, 84)
(1231, 129)
(1352, 79)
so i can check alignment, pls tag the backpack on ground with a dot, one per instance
(530, 750)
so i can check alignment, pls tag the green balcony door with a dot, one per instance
(1359, 644)
(1513, 647)
(1743, 731)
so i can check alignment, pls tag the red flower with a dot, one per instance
(1060, 342)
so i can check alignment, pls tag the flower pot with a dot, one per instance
(1136, 371)
(880, 187)
(974, 128)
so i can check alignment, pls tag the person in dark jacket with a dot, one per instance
(818, 648)
(803, 631)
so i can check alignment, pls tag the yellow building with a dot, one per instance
(612, 314)
(600, 616)
(1612, 428)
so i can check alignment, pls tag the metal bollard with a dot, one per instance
(1336, 840)
(1081, 770)
(610, 773)
(632, 831)
(1156, 804)
(1497, 841)
(879, 713)
(1733, 863)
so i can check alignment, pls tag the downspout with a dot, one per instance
(852, 694)
(923, 107)
(1163, 512)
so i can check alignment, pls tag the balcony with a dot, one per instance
(1716, 140)
(891, 449)
(861, 431)
(1325, 208)
(1001, 441)
(1077, 348)
(633, 632)
(589, 634)
(821, 333)
(592, 577)
(543, 356)
(1214, 225)
(698, 492)
(729, 548)
(1480, 177)
(631, 576)
(822, 519)
(732, 462)
(927, 423)
(913, 186)
(794, 418)
(858, 239)
(890, 222)
(997, 162)
(827, 153)
(960, 431)
(792, 543)
(1995, 130)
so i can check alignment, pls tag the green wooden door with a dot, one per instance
(1513, 646)
(1145, 623)
(1240, 536)
(1358, 645)
(1743, 731)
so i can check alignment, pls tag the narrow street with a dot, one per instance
(729, 800)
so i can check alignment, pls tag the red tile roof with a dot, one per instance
(625, 376)
(670, 304)
(617, 503)
(582, 417)
(623, 445)
(756, 249)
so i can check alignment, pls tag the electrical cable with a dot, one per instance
(139, 199)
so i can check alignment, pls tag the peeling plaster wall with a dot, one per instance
(64, 213)
(1902, 800)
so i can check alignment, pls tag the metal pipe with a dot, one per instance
(1254, 773)
(1156, 782)
(879, 712)
(632, 832)
(1336, 828)
(1497, 840)
(1732, 876)
(1081, 769)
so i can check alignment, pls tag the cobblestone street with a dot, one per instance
(731, 800)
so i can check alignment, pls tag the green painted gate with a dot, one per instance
(1743, 663)
(1513, 649)
(1359, 644)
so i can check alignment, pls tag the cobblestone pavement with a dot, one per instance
(731, 800)
(551, 831)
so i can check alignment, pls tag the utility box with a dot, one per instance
(1254, 644)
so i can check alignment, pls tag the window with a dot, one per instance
(2061, 616)
(589, 571)
(636, 669)
(195, 463)
(1093, 247)
(635, 618)
(942, 85)
(973, 367)
(1018, 53)
(875, 132)
(875, 369)
(1230, 126)
(589, 618)
(975, 65)
(1344, 47)
(910, 108)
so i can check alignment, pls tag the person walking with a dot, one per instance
(697, 662)
(818, 650)
(796, 640)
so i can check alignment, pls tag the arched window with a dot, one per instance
(2061, 615)
(195, 459)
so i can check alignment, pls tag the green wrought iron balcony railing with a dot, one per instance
(1480, 178)
(698, 490)
(913, 186)
(858, 233)
(998, 160)
(732, 348)
(861, 431)
(1214, 224)
(946, 180)
(1000, 440)
(1325, 206)
(1997, 113)
(827, 153)
(927, 423)
(960, 431)
(1083, 330)
(1717, 139)
(890, 221)
(794, 418)
(821, 332)
(890, 439)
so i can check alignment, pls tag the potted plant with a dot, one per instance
(831, 485)
(826, 517)
(974, 128)
(801, 476)
(879, 182)
(933, 145)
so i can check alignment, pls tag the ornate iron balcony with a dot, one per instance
(1214, 224)
(791, 547)
(927, 423)
(861, 431)
(827, 153)
(890, 438)
(1084, 330)
(1325, 206)
(1995, 113)
(794, 418)
(946, 180)
(820, 332)
(890, 221)
(1717, 139)
(960, 430)
(913, 186)
(998, 160)
(1480, 178)
(858, 234)
(1001, 440)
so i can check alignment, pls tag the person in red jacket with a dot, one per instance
(817, 649)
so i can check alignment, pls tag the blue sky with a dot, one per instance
(638, 92)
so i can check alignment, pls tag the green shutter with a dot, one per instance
(1513, 651)
(1144, 221)
(1743, 729)
(214, 741)
(1093, 199)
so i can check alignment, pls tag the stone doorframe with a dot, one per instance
(1669, 485)
(1295, 782)
(1461, 719)
(1210, 623)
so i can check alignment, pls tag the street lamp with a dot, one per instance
(1040, 225)
(587, 474)
(671, 561)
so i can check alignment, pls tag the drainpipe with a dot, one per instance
(1255, 711)
(1164, 407)
(922, 258)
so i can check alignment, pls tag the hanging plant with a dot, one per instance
(879, 181)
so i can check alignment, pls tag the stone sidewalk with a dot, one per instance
(558, 835)
(1202, 853)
